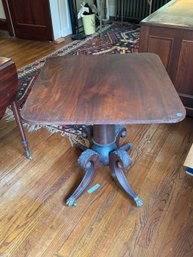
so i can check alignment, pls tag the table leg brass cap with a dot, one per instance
(71, 202)
(138, 201)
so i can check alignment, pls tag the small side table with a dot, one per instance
(104, 92)
(8, 92)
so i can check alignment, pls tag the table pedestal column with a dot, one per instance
(104, 148)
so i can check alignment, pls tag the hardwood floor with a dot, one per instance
(28, 50)
(34, 221)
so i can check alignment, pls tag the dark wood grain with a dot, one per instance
(31, 19)
(8, 83)
(3, 24)
(169, 33)
(109, 89)
(104, 134)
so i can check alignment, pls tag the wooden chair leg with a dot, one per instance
(21, 130)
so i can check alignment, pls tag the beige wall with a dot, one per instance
(2, 13)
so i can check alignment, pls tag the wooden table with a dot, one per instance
(8, 92)
(104, 92)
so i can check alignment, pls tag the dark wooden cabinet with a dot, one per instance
(169, 33)
(30, 19)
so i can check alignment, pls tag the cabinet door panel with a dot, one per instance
(31, 19)
(184, 74)
(162, 47)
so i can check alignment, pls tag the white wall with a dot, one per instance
(2, 13)
(60, 18)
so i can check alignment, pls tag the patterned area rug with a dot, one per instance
(122, 39)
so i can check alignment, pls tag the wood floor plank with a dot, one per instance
(24, 51)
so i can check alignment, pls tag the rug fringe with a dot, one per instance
(74, 138)
(32, 127)
(8, 116)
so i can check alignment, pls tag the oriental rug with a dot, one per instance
(114, 39)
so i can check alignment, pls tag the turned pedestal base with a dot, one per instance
(104, 148)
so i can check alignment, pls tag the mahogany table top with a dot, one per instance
(106, 89)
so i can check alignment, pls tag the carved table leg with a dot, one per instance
(104, 143)
(121, 132)
(87, 161)
(126, 147)
(21, 130)
(119, 161)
